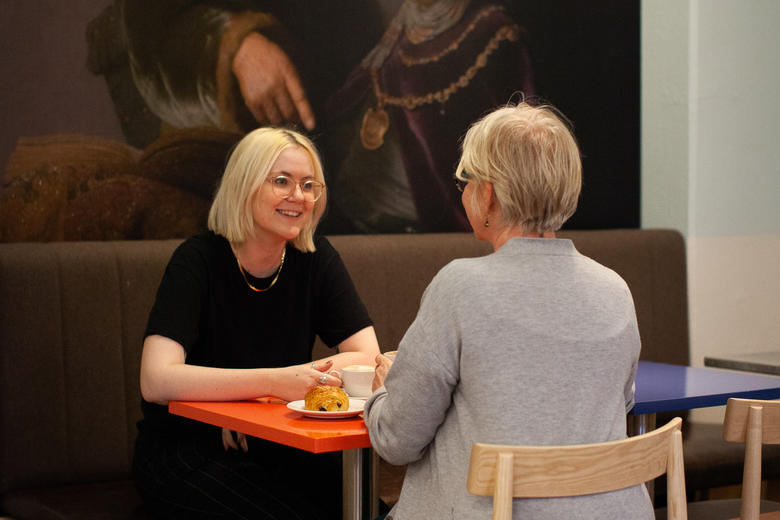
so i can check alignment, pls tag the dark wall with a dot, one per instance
(587, 63)
(45, 86)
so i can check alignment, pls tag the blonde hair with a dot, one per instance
(247, 169)
(532, 159)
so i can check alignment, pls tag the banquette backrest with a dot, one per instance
(72, 316)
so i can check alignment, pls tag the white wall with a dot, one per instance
(711, 162)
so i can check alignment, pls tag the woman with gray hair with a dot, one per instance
(534, 344)
(235, 318)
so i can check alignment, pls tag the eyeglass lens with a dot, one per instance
(284, 187)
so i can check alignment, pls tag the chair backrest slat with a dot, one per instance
(505, 471)
(736, 418)
(754, 422)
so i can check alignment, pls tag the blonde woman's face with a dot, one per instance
(281, 218)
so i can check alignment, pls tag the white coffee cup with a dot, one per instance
(357, 380)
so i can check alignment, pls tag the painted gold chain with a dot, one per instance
(376, 120)
(409, 61)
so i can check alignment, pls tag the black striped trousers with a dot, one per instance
(196, 478)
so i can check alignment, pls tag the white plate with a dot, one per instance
(355, 408)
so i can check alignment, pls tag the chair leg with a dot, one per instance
(676, 504)
(751, 478)
(502, 497)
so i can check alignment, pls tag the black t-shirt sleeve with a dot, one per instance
(338, 310)
(178, 307)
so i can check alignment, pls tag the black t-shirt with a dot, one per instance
(204, 304)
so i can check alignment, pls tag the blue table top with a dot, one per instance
(661, 387)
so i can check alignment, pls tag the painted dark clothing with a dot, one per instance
(433, 91)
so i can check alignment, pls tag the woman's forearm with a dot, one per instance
(195, 383)
(359, 349)
(166, 377)
(344, 359)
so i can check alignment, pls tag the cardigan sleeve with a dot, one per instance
(404, 416)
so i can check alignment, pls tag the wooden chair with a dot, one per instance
(505, 472)
(755, 423)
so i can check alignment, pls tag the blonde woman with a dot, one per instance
(235, 317)
(532, 344)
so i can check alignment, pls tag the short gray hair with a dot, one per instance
(532, 159)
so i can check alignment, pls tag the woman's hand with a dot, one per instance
(292, 383)
(383, 364)
(233, 443)
(326, 374)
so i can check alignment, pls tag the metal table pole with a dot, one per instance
(637, 425)
(360, 492)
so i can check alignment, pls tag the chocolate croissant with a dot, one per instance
(326, 398)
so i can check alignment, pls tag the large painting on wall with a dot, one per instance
(386, 89)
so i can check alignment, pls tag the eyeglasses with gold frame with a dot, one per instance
(284, 186)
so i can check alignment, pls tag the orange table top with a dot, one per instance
(277, 423)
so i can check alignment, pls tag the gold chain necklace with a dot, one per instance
(376, 120)
(409, 62)
(278, 271)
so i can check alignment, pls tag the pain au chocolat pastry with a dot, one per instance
(326, 398)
